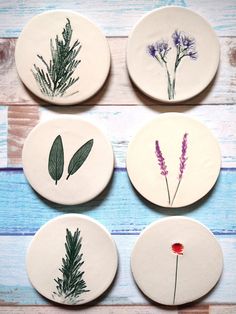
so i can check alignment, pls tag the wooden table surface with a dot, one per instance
(119, 109)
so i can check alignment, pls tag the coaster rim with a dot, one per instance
(84, 218)
(52, 199)
(39, 95)
(166, 101)
(162, 116)
(174, 218)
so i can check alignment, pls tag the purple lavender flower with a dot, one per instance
(182, 164)
(183, 157)
(151, 50)
(176, 36)
(161, 160)
(163, 167)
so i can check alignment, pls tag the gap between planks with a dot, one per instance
(118, 89)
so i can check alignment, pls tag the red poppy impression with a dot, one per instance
(177, 248)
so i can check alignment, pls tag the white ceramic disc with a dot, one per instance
(62, 57)
(174, 160)
(172, 54)
(72, 259)
(176, 260)
(67, 161)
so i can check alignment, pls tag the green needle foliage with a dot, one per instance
(72, 285)
(56, 76)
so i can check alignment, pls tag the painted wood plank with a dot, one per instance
(119, 16)
(119, 207)
(3, 136)
(115, 122)
(23, 119)
(119, 309)
(17, 289)
(118, 90)
(108, 309)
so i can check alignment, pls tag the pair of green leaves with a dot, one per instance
(56, 159)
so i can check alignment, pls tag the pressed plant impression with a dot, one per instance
(177, 249)
(163, 167)
(185, 47)
(55, 76)
(183, 159)
(72, 285)
(56, 159)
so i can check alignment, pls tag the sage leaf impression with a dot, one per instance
(56, 159)
(79, 158)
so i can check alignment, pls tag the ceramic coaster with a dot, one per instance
(174, 160)
(62, 57)
(176, 260)
(72, 259)
(172, 54)
(67, 161)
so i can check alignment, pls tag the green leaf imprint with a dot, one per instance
(55, 77)
(72, 284)
(56, 159)
(79, 158)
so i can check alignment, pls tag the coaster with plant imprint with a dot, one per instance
(176, 260)
(62, 57)
(172, 54)
(174, 160)
(72, 259)
(67, 161)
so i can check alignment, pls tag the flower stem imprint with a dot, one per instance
(177, 248)
(185, 47)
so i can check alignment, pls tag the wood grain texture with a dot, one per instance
(115, 19)
(119, 309)
(118, 89)
(17, 289)
(221, 121)
(21, 121)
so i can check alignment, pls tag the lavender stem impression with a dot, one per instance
(182, 164)
(163, 167)
(185, 47)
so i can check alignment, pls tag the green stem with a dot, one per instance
(68, 176)
(168, 191)
(175, 192)
(176, 277)
(169, 82)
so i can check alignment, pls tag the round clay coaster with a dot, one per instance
(67, 161)
(62, 57)
(176, 260)
(174, 160)
(172, 54)
(72, 259)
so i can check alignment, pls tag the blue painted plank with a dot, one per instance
(15, 287)
(114, 18)
(119, 207)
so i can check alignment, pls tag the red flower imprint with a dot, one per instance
(178, 248)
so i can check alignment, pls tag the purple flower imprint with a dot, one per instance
(185, 47)
(163, 167)
(182, 164)
(161, 160)
(183, 157)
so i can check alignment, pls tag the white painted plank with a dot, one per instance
(15, 287)
(121, 123)
(114, 18)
